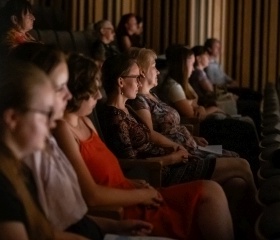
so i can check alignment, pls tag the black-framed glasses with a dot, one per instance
(48, 113)
(132, 76)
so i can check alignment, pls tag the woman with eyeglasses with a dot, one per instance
(180, 212)
(230, 171)
(16, 19)
(26, 103)
(58, 188)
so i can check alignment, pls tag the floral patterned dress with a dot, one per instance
(128, 137)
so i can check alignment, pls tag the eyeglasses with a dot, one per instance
(48, 114)
(111, 29)
(132, 76)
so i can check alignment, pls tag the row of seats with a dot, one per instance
(67, 41)
(267, 225)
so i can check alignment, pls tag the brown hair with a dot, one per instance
(113, 68)
(84, 80)
(177, 57)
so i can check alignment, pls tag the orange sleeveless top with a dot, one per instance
(174, 218)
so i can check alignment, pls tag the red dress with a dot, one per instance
(175, 217)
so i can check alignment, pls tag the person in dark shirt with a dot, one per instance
(104, 46)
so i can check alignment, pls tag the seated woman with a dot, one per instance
(26, 102)
(128, 32)
(16, 19)
(164, 121)
(176, 89)
(236, 134)
(183, 218)
(58, 188)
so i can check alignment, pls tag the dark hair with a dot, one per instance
(113, 68)
(84, 80)
(17, 81)
(177, 56)
(13, 7)
(46, 57)
(121, 29)
(139, 19)
(198, 51)
(209, 43)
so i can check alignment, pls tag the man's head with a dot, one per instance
(213, 47)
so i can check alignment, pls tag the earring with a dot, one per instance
(121, 92)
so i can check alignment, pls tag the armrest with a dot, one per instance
(191, 121)
(112, 212)
(152, 169)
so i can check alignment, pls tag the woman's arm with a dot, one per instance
(157, 137)
(94, 194)
(185, 108)
(13, 231)
(206, 85)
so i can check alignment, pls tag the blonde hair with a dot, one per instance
(143, 56)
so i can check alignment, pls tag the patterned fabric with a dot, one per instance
(166, 120)
(131, 139)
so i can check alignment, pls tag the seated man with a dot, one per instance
(248, 100)
(104, 46)
(218, 77)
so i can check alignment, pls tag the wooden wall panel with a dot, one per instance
(248, 29)
(229, 38)
(256, 44)
(263, 53)
(272, 41)
(191, 19)
(246, 43)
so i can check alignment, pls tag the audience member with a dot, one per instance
(207, 94)
(236, 134)
(58, 188)
(248, 100)
(176, 89)
(180, 219)
(16, 19)
(128, 32)
(218, 77)
(164, 121)
(104, 46)
(26, 102)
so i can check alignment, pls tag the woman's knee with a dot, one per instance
(237, 167)
(212, 191)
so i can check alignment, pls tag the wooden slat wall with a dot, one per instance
(248, 29)
(255, 30)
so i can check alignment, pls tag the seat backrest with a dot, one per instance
(81, 42)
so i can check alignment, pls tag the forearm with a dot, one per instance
(68, 236)
(105, 196)
(162, 141)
